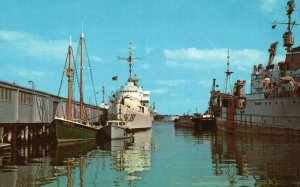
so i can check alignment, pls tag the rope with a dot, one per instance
(76, 77)
(92, 78)
(62, 77)
(75, 66)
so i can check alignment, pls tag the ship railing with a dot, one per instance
(263, 120)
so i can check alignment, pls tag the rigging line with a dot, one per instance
(74, 77)
(92, 79)
(75, 66)
(63, 74)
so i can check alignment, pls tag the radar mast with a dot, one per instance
(129, 59)
(288, 39)
(228, 73)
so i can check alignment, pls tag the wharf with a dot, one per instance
(26, 113)
(28, 105)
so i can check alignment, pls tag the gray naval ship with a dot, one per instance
(273, 104)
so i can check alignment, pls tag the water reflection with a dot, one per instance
(24, 164)
(265, 160)
(130, 156)
(167, 157)
(117, 163)
(111, 163)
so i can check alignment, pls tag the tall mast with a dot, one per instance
(69, 73)
(228, 73)
(129, 60)
(81, 76)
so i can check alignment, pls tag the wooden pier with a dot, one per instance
(24, 132)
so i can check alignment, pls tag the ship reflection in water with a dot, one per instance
(163, 156)
(129, 157)
(117, 162)
(269, 160)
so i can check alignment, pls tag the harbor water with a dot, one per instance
(162, 156)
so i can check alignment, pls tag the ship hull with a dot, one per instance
(68, 131)
(188, 123)
(135, 120)
(267, 116)
(204, 124)
(115, 132)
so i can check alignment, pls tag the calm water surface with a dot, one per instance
(163, 156)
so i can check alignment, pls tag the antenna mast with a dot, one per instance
(288, 38)
(129, 59)
(228, 73)
(103, 94)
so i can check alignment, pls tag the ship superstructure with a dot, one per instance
(273, 104)
(131, 102)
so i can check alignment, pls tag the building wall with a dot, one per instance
(22, 105)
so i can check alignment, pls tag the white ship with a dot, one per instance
(273, 104)
(131, 103)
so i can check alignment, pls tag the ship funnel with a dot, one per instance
(239, 98)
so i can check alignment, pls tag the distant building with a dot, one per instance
(160, 117)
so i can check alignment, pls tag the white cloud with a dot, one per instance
(96, 59)
(159, 91)
(33, 46)
(174, 82)
(148, 49)
(26, 73)
(145, 65)
(13, 36)
(204, 59)
(268, 5)
(205, 83)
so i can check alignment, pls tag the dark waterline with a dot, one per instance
(163, 156)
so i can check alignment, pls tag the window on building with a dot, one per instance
(5, 94)
(25, 98)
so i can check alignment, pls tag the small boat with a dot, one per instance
(204, 122)
(116, 129)
(207, 121)
(184, 121)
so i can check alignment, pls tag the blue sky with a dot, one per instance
(183, 44)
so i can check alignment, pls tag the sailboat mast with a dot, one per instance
(81, 75)
(69, 73)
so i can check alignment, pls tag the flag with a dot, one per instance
(115, 78)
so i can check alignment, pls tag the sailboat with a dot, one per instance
(71, 130)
